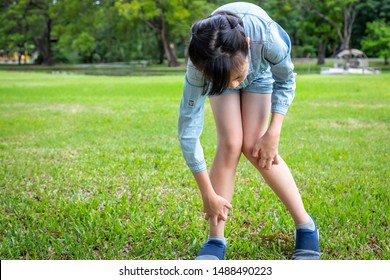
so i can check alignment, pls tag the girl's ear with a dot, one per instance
(248, 40)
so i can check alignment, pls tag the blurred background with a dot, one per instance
(146, 32)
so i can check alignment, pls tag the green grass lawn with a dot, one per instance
(90, 168)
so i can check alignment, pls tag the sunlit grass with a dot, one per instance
(90, 168)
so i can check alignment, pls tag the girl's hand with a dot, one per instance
(266, 150)
(216, 208)
(266, 147)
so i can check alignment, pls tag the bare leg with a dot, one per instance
(255, 114)
(227, 114)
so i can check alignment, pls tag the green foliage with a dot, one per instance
(27, 22)
(368, 11)
(13, 29)
(90, 168)
(377, 41)
(169, 19)
(84, 43)
(125, 30)
(334, 18)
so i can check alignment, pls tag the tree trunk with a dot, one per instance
(161, 51)
(168, 49)
(321, 53)
(43, 44)
(349, 19)
(160, 27)
(48, 60)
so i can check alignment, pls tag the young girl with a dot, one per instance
(240, 58)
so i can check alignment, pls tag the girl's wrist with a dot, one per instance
(274, 132)
(208, 195)
(275, 126)
(204, 185)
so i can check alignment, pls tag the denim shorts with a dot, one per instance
(261, 83)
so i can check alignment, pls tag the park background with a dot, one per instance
(90, 165)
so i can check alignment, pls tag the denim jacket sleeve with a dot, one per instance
(191, 118)
(278, 54)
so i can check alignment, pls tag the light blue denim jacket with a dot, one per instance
(270, 49)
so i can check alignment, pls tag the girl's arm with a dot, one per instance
(278, 54)
(191, 118)
(282, 68)
(215, 206)
(266, 148)
(190, 125)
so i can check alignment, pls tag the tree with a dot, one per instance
(165, 17)
(12, 30)
(85, 44)
(340, 14)
(118, 38)
(377, 40)
(368, 11)
(306, 34)
(323, 36)
(76, 29)
(28, 21)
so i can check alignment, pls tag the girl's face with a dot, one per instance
(236, 77)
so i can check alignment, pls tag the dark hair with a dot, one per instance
(218, 45)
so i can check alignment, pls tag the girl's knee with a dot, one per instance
(247, 148)
(249, 141)
(231, 147)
